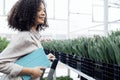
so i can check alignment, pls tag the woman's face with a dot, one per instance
(41, 15)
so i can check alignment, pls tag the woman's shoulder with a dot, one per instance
(23, 35)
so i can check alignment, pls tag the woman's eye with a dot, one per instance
(39, 10)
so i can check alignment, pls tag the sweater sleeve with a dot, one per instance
(20, 45)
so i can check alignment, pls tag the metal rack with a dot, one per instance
(79, 72)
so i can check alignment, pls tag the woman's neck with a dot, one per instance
(34, 28)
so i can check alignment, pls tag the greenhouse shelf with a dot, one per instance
(79, 72)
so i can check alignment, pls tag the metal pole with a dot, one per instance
(68, 21)
(3, 7)
(54, 76)
(53, 9)
(106, 17)
(69, 72)
(68, 27)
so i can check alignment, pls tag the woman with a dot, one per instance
(28, 17)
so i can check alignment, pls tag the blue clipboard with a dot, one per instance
(36, 58)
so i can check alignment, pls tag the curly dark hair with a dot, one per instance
(23, 14)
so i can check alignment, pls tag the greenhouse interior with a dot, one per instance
(83, 36)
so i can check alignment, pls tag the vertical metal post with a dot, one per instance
(3, 7)
(69, 72)
(54, 76)
(68, 27)
(53, 9)
(105, 17)
(68, 21)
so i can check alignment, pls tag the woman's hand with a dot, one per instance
(50, 56)
(36, 72)
(33, 72)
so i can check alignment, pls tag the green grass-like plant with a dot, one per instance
(3, 43)
(99, 48)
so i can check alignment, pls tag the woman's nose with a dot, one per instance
(43, 13)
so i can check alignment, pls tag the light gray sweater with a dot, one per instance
(23, 43)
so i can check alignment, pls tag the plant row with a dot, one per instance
(101, 49)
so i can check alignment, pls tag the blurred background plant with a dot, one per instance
(3, 43)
